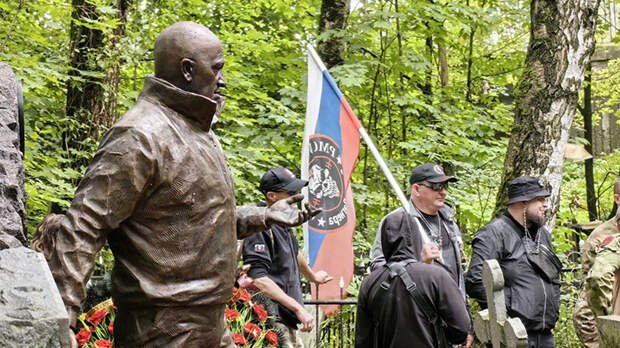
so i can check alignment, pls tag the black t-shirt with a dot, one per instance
(273, 253)
(443, 239)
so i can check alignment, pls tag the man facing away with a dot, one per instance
(160, 192)
(428, 214)
(522, 247)
(600, 265)
(405, 303)
(275, 261)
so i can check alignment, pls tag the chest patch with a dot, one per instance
(259, 248)
(606, 241)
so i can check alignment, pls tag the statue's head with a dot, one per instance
(190, 56)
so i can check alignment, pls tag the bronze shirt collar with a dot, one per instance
(198, 108)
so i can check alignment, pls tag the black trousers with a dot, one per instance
(540, 339)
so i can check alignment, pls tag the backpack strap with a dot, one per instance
(397, 269)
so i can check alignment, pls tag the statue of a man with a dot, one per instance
(160, 191)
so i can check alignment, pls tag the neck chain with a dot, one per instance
(435, 234)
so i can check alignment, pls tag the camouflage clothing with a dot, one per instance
(600, 265)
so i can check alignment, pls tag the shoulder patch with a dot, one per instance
(606, 241)
(259, 248)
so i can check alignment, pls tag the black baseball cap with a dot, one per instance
(526, 188)
(280, 179)
(430, 172)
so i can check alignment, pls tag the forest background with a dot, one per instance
(431, 80)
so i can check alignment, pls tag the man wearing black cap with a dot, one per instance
(407, 303)
(522, 246)
(428, 214)
(275, 260)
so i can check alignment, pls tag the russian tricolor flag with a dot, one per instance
(330, 150)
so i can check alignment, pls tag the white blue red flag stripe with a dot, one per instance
(329, 153)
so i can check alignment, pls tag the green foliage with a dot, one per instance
(390, 76)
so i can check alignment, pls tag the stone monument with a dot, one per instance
(609, 331)
(32, 313)
(492, 325)
(12, 194)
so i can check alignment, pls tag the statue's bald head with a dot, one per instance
(190, 56)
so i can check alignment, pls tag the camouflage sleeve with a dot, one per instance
(600, 279)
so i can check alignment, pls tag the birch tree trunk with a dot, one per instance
(561, 43)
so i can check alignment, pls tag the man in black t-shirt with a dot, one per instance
(428, 214)
(275, 260)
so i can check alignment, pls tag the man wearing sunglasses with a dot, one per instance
(428, 214)
(275, 261)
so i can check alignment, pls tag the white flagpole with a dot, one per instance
(401, 196)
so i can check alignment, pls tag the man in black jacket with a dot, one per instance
(399, 301)
(427, 214)
(522, 246)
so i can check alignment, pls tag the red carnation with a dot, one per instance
(231, 314)
(272, 338)
(111, 327)
(244, 295)
(83, 336)
(260, 311)
(252, 329)
(98, 316)
(239, 339)
(103, 344)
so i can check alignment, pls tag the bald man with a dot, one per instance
(160, 192)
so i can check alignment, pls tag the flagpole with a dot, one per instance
(401, 196)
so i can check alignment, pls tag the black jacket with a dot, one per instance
(529, 296)
(390, 318)
(273, 253)
(400, 221)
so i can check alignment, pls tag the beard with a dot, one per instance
(538, 220)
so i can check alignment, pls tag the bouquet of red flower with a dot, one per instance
(97, 326)
(248, 321)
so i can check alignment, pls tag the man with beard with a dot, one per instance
(160, 192)
(600, 265)
(405, 303)
(522, 246)
(427, 214)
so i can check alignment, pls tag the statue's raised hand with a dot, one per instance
(285, 212)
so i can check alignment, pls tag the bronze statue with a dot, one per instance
(160, 191)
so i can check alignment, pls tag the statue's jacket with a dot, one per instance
(529, 296)
(160, 191)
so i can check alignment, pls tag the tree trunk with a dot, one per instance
(443, 66)
(106, 119)
(561, 43)
(85, 92)
(334, 14)
(589, 163)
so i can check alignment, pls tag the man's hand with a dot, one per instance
(468, 342)
(321, 277)
(430, 252)
(307, 320)
(284, 212)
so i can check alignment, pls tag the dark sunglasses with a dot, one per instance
(436, 186)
